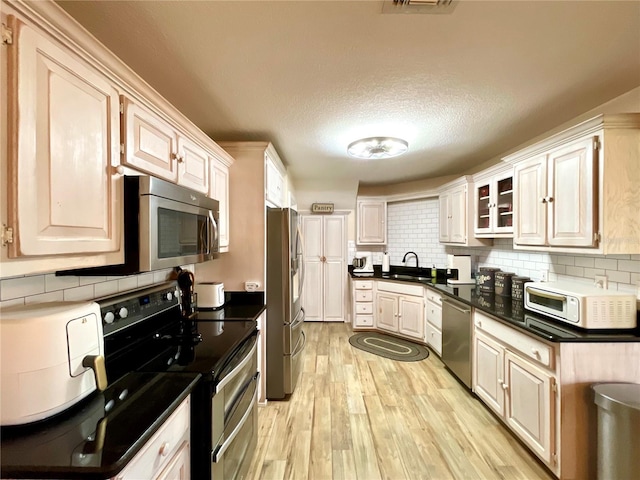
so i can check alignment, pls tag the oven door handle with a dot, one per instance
(238, 368)
(218, 453)
(542, 293)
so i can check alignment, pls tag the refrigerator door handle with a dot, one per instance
(300, 255)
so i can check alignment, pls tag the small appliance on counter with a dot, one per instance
(385, 262)
(462, 263)
(51, 357)
(210, 295)
(363, 263)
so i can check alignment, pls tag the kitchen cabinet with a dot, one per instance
(371, 221)
(167, 454)
(434, 320)
(455, 214)
(219, 189)
(493, 202)
(276, 191)
(152, 145)
(325, 267)
(400, 309)
(362, 295)
(576, 191)
(541, 390)
(522, 393)
(64, 192)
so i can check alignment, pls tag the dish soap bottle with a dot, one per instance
(434, 274)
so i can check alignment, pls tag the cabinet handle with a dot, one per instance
(478, 323)
(178, 157)
(535, 352)
(119, 170)
(504, 386)
(543, 200)
(549, 199)
(164, 449)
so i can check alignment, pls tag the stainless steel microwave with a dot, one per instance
(165, 226)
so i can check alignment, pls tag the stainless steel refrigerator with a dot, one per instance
(285, 316)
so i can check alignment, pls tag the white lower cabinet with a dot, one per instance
(167, 454)
(520, 392)
(400, 309)
(434, 321)
(362, 295)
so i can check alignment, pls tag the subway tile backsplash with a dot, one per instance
(49, 288)
(413, 226)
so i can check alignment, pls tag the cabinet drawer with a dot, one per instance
(528, 346)
(434, 338)
(364, 295)
(434, 296)
(363, 284)
(434, 314)
(157, 452)
(364, 308)
(364, 321)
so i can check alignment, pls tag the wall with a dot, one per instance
(49, 288)
(413, 225)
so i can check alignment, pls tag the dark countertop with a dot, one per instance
(238, 306)
(506, 309)
(65, 446)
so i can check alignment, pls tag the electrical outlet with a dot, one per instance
(601, 281)
(545, 275)
(251, 286)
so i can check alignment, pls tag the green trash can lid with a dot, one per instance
(612, 396)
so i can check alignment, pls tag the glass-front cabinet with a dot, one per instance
(494, 203)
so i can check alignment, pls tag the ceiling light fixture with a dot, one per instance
(377, 147)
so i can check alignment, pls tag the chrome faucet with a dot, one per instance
(404, 259)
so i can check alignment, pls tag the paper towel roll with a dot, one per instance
(385, 262)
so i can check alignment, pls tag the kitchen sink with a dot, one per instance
(399, 276)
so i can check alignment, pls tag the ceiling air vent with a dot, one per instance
(419, 6)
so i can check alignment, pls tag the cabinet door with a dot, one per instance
(193, 166)
(530, 179)
(372, 222)
(334, 247)
(529, 409)
(502, 220)
(179, 466)
(444, 217)
(571, 204)
(387, 318)
(64, 197)
(312, 295)
(489, 372)
(484, 207)
(458, 220)
(411, 317)
(220, 191)
(150, 144)
(275, 183)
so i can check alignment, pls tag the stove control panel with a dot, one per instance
(123, 310)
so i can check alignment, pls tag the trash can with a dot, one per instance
(618, 430)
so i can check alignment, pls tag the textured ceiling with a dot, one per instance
(312, 76)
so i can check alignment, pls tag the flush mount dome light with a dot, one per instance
(377, 147)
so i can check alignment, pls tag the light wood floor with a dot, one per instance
(355, 415)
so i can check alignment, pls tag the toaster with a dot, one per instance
(210, 295)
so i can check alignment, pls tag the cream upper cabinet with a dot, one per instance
(193, 165)
(219, 189)
(556, 197)
(149, 144)
(577, 191)
(275, 184)
(493, 202)
(64, 197)
(152, 145)
(371, 221)
(455, 214)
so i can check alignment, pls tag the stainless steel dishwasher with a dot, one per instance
(456, 339)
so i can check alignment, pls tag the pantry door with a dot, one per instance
(325, 257)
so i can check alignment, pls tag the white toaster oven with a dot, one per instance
(584, 306)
